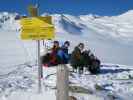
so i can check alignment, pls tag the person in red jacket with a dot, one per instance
(53, 54)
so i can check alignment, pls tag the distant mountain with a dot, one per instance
(120, 27)
(8, 22)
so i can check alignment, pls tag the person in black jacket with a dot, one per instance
(77, 61)
(91, 62)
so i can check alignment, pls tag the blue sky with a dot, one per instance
(74, 7)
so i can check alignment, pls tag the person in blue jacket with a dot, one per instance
(62, 54)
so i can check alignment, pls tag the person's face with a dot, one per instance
(56, 45)
(81, 47)
(66, 45)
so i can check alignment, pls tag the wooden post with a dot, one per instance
(62, 83)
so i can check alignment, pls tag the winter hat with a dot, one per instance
(67, 42)
(56, 42)
(81, 44)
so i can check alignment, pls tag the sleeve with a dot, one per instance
(66, 55)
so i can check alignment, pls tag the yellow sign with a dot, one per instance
(38, 33)
(47, 19)
(37, 28)
(36, 21)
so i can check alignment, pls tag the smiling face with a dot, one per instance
(56, 44)
(66, 45)
(81, 46)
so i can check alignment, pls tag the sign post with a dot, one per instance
(37, 28)
(40, 70)
(33, 11)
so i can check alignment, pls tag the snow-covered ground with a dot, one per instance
(110, 38)
(115, 82)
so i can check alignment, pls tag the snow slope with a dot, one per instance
(115, 82)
